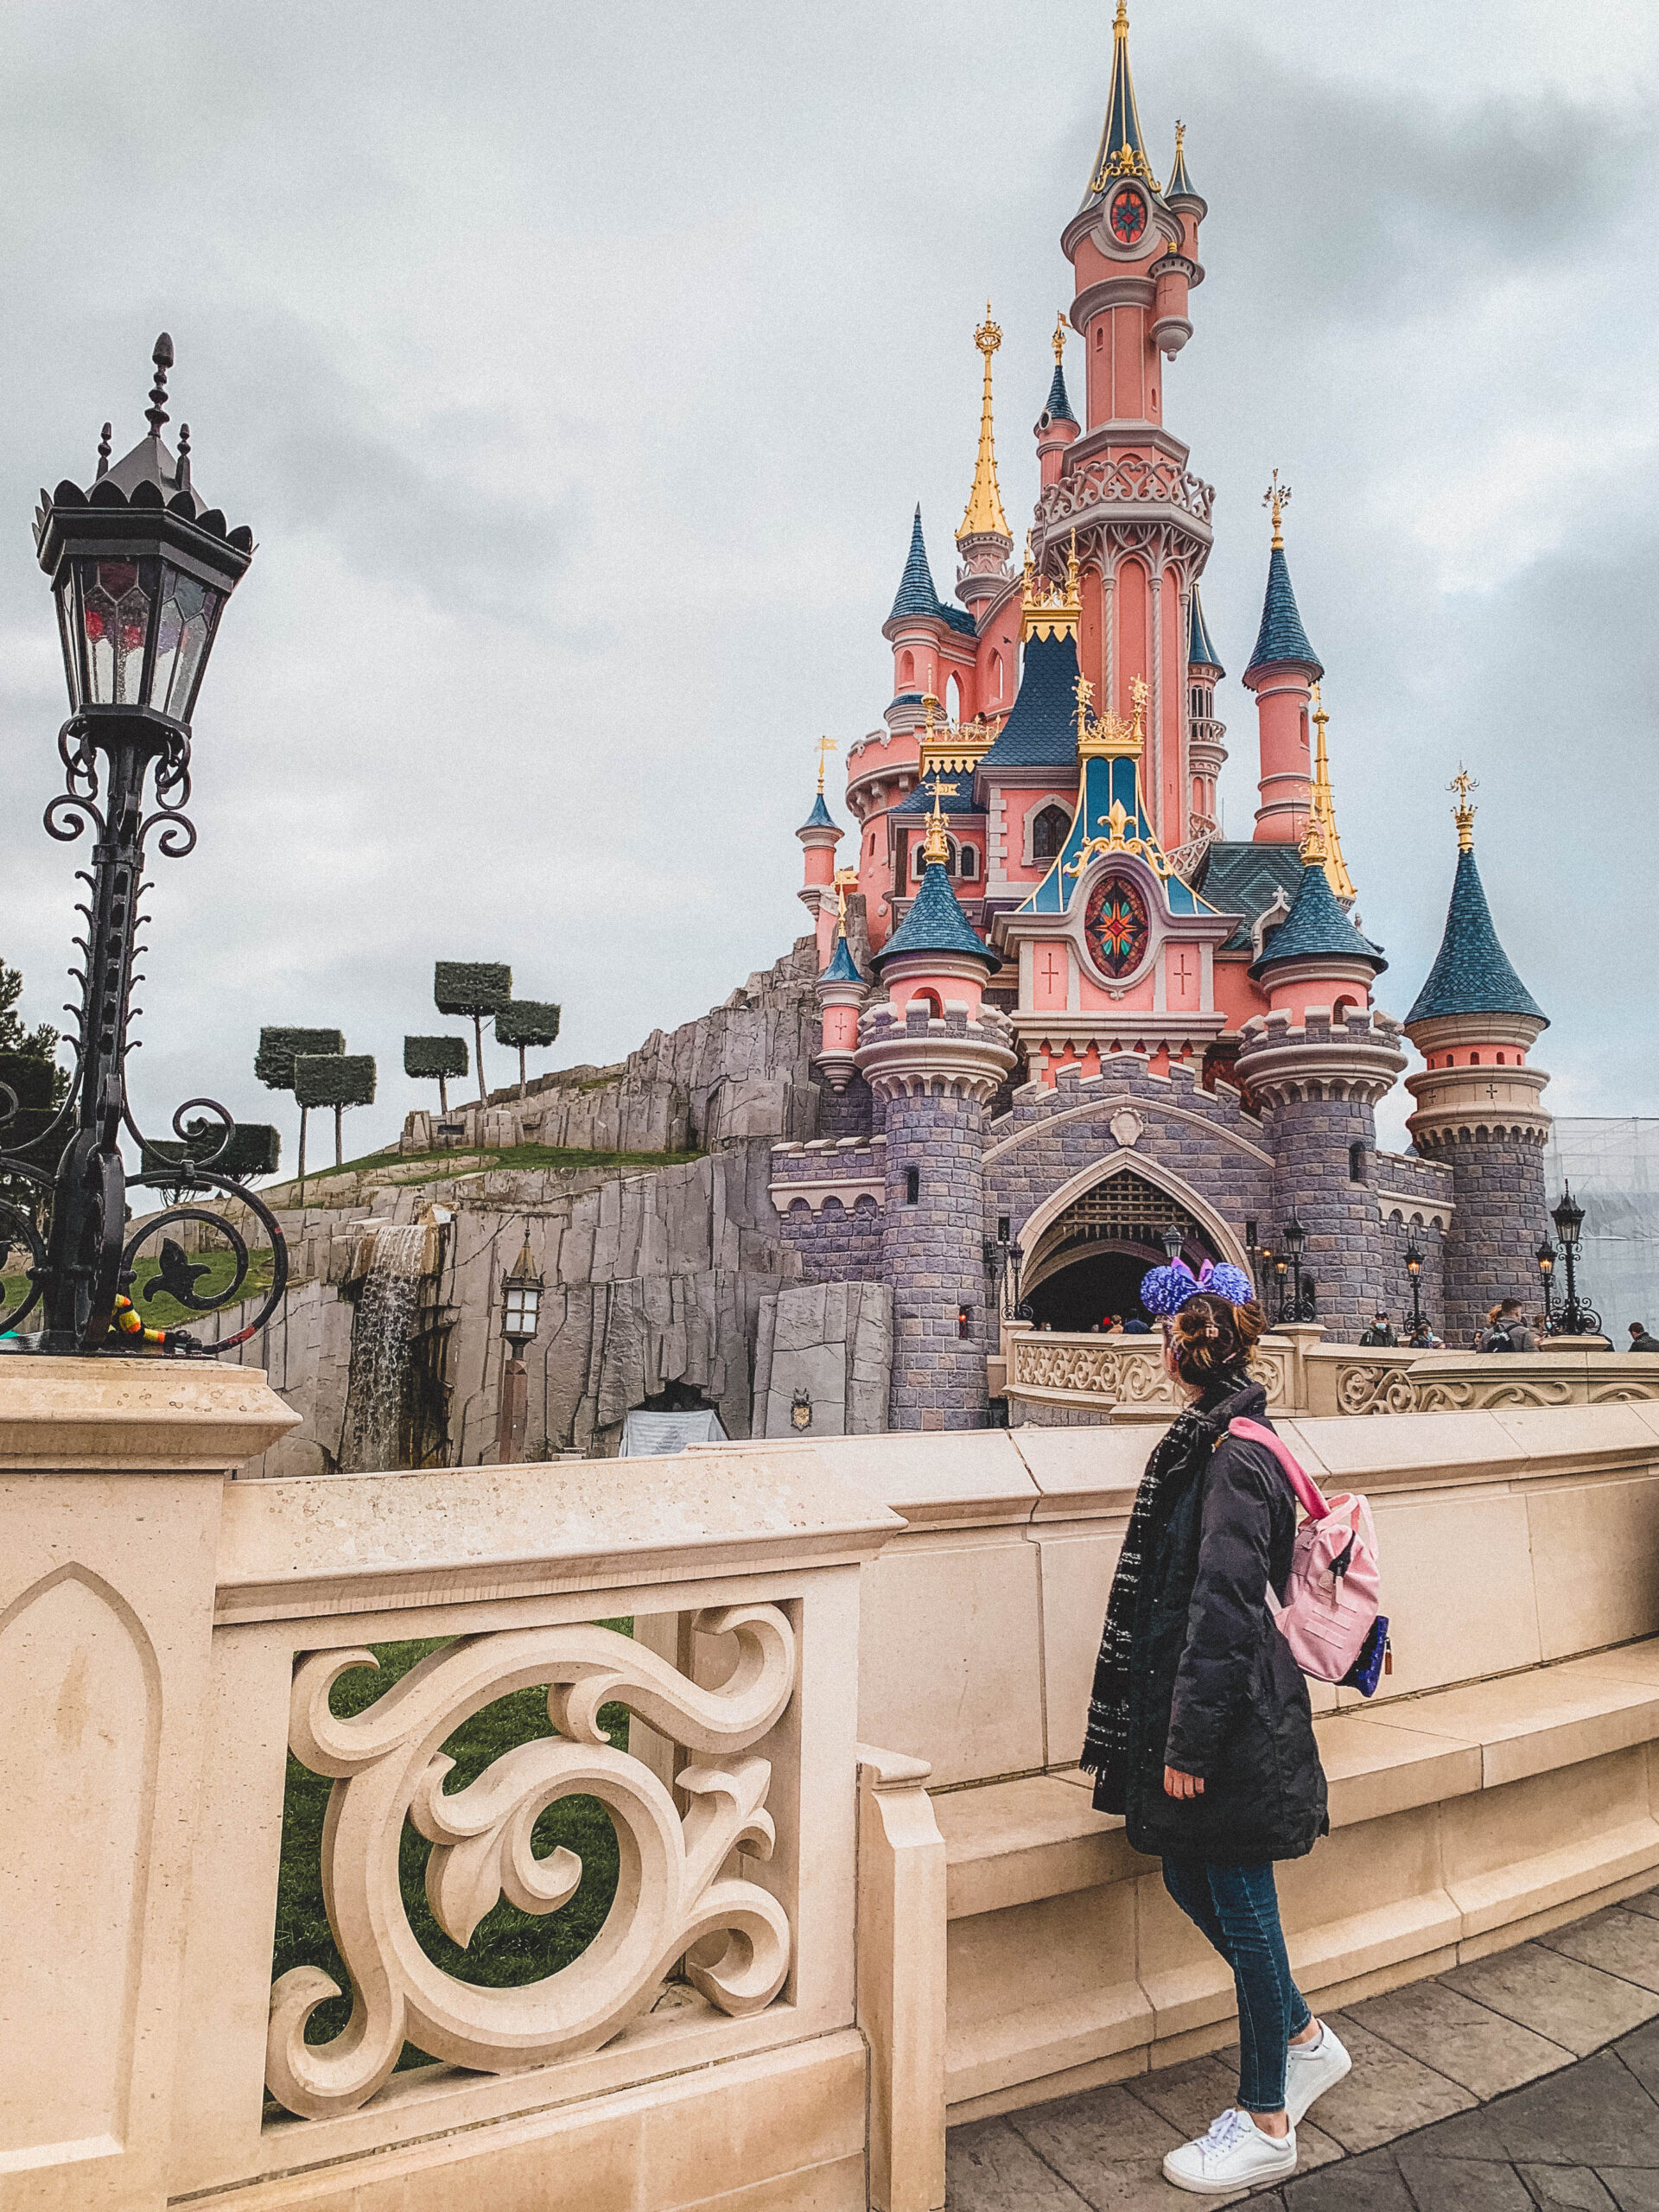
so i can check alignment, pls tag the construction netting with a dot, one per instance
(1613, 1166)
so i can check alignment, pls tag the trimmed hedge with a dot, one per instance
(279, 1048)
(334, 1078)
(471, 987)
(527, 1021)
(255, 1148)
(431, 1057)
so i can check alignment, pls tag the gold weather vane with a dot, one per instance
(1061, 329)
(935, 846)
(984, 516)
(826, 746)
(1322, 817)
(1462, 783)
(1277, 496)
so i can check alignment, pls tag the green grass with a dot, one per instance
(509, 1948)
(469, 1160)
(164, 1313)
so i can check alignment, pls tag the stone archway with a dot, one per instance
(1084, 1249)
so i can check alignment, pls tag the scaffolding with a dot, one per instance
(1612, 1165)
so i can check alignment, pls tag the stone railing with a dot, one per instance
(1341, 1379)
(1134, 477)
(1060, 1380)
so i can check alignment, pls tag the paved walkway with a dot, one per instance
(1528, 2079)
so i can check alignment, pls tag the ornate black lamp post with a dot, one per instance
(1576, 1319)
(521, 1314)
(1299, 1306)
(141, 568)
(1545, 1256)
(1414, 1270)
(1172, 1241)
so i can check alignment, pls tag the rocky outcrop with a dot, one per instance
(831, 1345)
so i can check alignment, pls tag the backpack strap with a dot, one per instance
(1309, 1496)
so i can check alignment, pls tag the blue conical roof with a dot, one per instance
(1316, 928)
(916, 593)
(841, 968)
(1180, 184)
(820, 817)
(1471, 973)
(1282, 637)
(1059, 404)
(1201, 653)
(1123, 147)
(936, 924)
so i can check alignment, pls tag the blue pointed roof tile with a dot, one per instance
(1041, 731)
(916, 594)
(935, 922)
(1471, 973)
(1282, 637)
(1058, 404)
(1180, 185)
(1316, 928)
(820, 817)
(841, 968)
(1200, 653)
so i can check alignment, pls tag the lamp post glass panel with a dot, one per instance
(521, 1314)
(1172, 1242)
(1577, 1319)
(141, 568)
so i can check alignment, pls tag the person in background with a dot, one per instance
(1199, 1729)
(1380, 1332)
(1506, 1329)
(1134, 1326)
(1640, 1340)
(1423, 1338)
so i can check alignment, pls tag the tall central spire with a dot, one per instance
(1123, 148)
(984, 516)
(1322, 813)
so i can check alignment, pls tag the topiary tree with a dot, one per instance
(526, 1022)
(474, 988)
(255, 1148)
(442, 1056)
(274, 1063)
(336, 1079)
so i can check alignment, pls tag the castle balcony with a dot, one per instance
(1133, 487)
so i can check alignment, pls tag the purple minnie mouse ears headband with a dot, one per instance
(1166, 1290)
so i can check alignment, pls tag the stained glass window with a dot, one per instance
(1115, 926)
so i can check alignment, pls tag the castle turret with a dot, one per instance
(1057, 426)
(1316, 1064)
(934, 1056)
(1206, 753)
(1282, 668)
(819, 836)
(1479, 1107)
(984, 539)
(842, 994)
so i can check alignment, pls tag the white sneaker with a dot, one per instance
(1314, 2067)
(1235, 2154)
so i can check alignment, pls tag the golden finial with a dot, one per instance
(1313, 843)
(1276, 496)
(1181, 138)
(1138, 694)
(930, 706)
(1086, 693)
(935, 846)
(1323, 814)
(1462, 783)
(846, 880)
(984, 516)
(1061, 327)
(1121, 28)
(826, 746)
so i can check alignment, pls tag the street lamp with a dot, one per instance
(521, 1314)
(1577, 1320)
(1172, 1241)
(1300, 1306)
(1545, 1256)
(141, 568)
(1414, 1270)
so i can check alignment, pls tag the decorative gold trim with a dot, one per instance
(960, 746)
(1105, 737)
(1277, 496)
(1051, 610)
(936, 848)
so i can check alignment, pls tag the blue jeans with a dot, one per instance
(1238, 1908)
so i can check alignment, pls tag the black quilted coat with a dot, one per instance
(1214, 1690)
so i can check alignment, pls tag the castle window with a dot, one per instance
(969, 863)
(907, 670)
(997, 675)
(1048, 831)
(912, 1186)
(964, 1320)
(1500, 1059)
(1201, 702)
(953, 699)
(1474, 1059)
(1356, 1163)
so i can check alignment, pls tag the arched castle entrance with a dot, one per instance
(1085, 1250)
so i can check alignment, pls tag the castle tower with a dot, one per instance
(934, 1056)
(1479, 1107)
(842, 994)
(1316, 1063)
(1142, 520)
(1057, 427)
(819, 836)
(1206, 753)
(984, 539)
(1282, 668)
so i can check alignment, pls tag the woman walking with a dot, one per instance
(1200, 1732)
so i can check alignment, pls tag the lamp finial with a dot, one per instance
(156, 413)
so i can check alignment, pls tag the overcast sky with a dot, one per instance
(578, 370)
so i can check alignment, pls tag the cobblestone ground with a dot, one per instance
(1528, 2079)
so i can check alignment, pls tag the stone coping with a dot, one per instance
(98, 1413)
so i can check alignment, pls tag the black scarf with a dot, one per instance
(1182, 1452)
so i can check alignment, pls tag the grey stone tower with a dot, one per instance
(934, 1057)
(1317, 1064)
(1479, 1105)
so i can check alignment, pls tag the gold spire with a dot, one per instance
(1051, 610)
(1322, 817)
(846, 880)
(1462, 783)
(1061, 327)
(935, 846)
(826, 746)
(984, 516)
(1277, 496)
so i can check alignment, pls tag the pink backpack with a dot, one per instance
(1330, 1617)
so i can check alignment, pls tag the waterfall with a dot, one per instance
(387, 1309)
